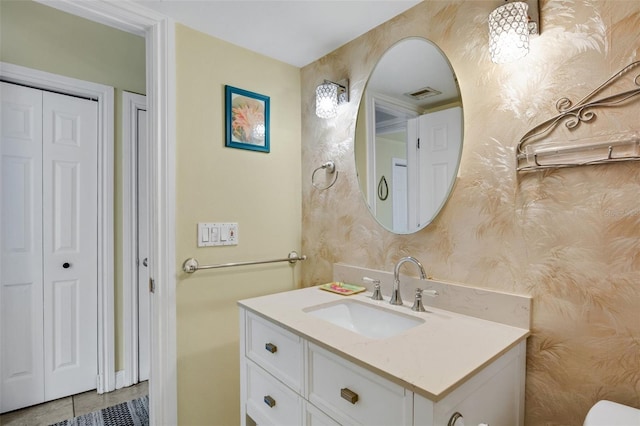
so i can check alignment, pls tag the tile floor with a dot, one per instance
(71, 406)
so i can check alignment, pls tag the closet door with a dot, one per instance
(48, 269)
(70, 209)
(21, 291)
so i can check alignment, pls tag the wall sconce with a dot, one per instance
(329, 95)
(510, 26)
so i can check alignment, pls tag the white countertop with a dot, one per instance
(431, 359)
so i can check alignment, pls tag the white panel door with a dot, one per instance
(144, 325)
(70, 209)
(21, 298)
(48, 294)
(440, 138)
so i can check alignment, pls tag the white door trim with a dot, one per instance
(131, 104)
(372, 184)
(159, 32)
(105, 97)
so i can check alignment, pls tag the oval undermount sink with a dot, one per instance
(367, 320)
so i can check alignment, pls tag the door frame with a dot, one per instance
(105, 239)
(401, 112)
(131, 104)
(159, 33)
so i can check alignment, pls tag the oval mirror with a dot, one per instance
(409, 135)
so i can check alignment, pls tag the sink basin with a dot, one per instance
(367, 320)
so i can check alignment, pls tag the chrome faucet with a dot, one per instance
(396, 299)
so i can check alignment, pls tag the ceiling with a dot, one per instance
(296, 32)
(415, 66)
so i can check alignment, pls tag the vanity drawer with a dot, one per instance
(275, 349)
(269, 402)
(353, 395)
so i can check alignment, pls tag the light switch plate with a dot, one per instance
(211, 234)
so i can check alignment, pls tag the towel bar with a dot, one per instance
(191, 265)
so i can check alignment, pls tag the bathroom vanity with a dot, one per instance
(310, 357)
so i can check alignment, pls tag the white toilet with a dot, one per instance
(607, 413)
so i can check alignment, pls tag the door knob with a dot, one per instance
(66, 265)
(145, 262)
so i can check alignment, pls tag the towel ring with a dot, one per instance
(330, 167)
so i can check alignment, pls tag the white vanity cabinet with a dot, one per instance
(289, 380)
(271, 370)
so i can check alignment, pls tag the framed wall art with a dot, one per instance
(247, 120)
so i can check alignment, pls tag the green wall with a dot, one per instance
(39, 37)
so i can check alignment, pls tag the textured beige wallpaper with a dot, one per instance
(570, 238)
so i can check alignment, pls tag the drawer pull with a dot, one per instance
(271, 347)
(269, 401)
(349, 395)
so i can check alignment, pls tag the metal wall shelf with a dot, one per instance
(535, 151)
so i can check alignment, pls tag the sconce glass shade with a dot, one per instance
(327, 100)
(509, 32)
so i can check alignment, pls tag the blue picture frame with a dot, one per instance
(246, 120)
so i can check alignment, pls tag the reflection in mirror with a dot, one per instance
(409, 135)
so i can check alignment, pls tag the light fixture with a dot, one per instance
(509, 28)
(329, 95)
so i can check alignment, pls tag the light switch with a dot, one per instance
(217, 234)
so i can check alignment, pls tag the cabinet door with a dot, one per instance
(494, 396)
(495, 402)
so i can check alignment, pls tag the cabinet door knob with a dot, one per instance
(271, 347)
(66, 265)
(349, 395)
(269, 401)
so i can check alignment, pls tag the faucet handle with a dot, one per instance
(377, 294)
(417, 304)
(431, 293)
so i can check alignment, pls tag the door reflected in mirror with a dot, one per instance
(409, 135)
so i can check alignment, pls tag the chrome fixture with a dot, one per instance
(538, 148)
(329, 95)
(191, 265)
(417, 304)
(396, 299)
(330, 168)
(510, 26)
(377, 294)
